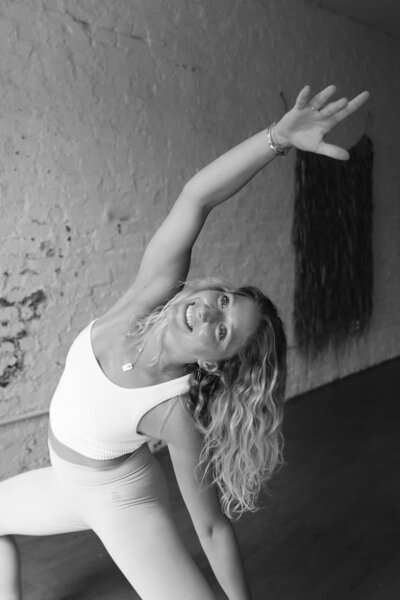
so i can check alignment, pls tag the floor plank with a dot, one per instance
(328, 530)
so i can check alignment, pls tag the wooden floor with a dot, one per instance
(329, 531)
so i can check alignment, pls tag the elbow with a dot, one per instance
(190, 192)
(211, 530)
(196, 197)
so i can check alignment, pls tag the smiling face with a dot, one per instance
(210, 325)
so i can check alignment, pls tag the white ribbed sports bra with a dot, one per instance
(95, 417)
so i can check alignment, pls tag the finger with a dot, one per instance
(333, 151)
(302, 98)
(322, 98)
(352, 106)
(334, 107)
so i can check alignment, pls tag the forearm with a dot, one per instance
(222, 551)
(226, 175)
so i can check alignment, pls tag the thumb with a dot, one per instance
(333, 151)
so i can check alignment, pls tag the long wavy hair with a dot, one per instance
(238, 407)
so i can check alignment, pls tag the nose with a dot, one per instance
(206, 313)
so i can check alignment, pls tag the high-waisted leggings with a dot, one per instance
(126, 505)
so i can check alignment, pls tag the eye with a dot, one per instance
(222, 331)
(224, 301)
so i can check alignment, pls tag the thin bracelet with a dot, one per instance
(279, 151)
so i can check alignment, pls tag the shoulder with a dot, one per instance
(179, 429)
(169, 421)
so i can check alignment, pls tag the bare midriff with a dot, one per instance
(72, 456)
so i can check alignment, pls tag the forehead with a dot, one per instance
(245, 317)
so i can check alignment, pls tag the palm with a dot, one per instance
(308, 122)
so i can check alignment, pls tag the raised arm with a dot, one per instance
(166, 260)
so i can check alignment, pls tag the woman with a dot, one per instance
(205, 373)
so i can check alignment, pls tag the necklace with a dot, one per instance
(130, 365)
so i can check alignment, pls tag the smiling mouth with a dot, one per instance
(189, 316)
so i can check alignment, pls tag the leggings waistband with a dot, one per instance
(71, 456)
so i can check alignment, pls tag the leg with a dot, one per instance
(146, 546)
(10, 569)
(33, 503)
(30, 504)
(128, 508)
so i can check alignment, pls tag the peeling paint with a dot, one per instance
(18, 314)
(11, 358)
(133, 116)
(28, 272)
(46, 247)
(4, 302)
(192, 68)
(86, 26)
(32, 303)
(138, 38)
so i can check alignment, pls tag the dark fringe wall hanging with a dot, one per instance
(332, 237)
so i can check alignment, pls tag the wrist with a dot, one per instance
(279, 144)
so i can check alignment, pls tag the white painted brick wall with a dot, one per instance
(106, 109)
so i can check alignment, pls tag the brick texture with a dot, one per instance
(106, 109)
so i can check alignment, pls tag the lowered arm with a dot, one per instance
(213, 528)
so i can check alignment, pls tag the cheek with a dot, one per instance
(211, 343)
(177, 326)
(173, 330)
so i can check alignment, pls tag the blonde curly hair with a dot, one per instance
(238, 407)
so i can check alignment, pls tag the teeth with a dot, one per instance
(189, 316)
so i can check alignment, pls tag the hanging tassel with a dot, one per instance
(332, 237)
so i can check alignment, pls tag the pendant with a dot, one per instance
(129, 366)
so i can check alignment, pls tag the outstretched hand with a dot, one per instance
(308, 122)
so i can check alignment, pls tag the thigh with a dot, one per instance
(128, 508)
(148, 549)
(33, 503)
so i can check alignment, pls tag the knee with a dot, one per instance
(10, 569)
(7, 540)
(9, 553)
(5, 523)
(5, 520)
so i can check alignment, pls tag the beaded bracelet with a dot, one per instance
(279, 151)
